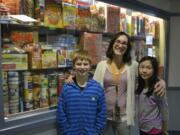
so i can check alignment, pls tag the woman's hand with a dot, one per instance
(69, 79)
(160, 88)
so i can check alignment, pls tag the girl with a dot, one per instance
(152, 109)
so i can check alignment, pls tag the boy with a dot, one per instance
(81, 106)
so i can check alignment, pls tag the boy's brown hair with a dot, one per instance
(82, 55)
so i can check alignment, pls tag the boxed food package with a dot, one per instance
(49, 59)
(14, 6)
(53, 89)
(53, 15)
(36, 57)
(14, 61)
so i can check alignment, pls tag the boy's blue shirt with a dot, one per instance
(82, 112)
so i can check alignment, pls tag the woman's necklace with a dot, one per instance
(116, 72)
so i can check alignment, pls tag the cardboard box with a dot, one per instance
(14, 61)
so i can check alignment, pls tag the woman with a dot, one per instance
(118, 77)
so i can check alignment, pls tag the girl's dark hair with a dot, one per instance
(110, 52)
(152, 80)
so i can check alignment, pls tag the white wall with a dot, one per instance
(174, 111)
(174, 53)
(161, 4)
(167, 5)
(175, 6)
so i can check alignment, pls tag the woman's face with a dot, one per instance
(120, 45)
(145, 69)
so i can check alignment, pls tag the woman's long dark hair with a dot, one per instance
(127, 54)
(152, 80)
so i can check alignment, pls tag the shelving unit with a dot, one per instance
(44, 32)
(25, 119)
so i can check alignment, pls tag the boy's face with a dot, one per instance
(146, 69)
(82, 67)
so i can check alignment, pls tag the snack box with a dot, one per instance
(12, 61)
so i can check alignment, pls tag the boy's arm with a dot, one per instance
(101, 114)
(61, 114)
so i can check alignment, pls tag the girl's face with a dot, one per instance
(120, 45)
(82, 67)
(146, 70)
